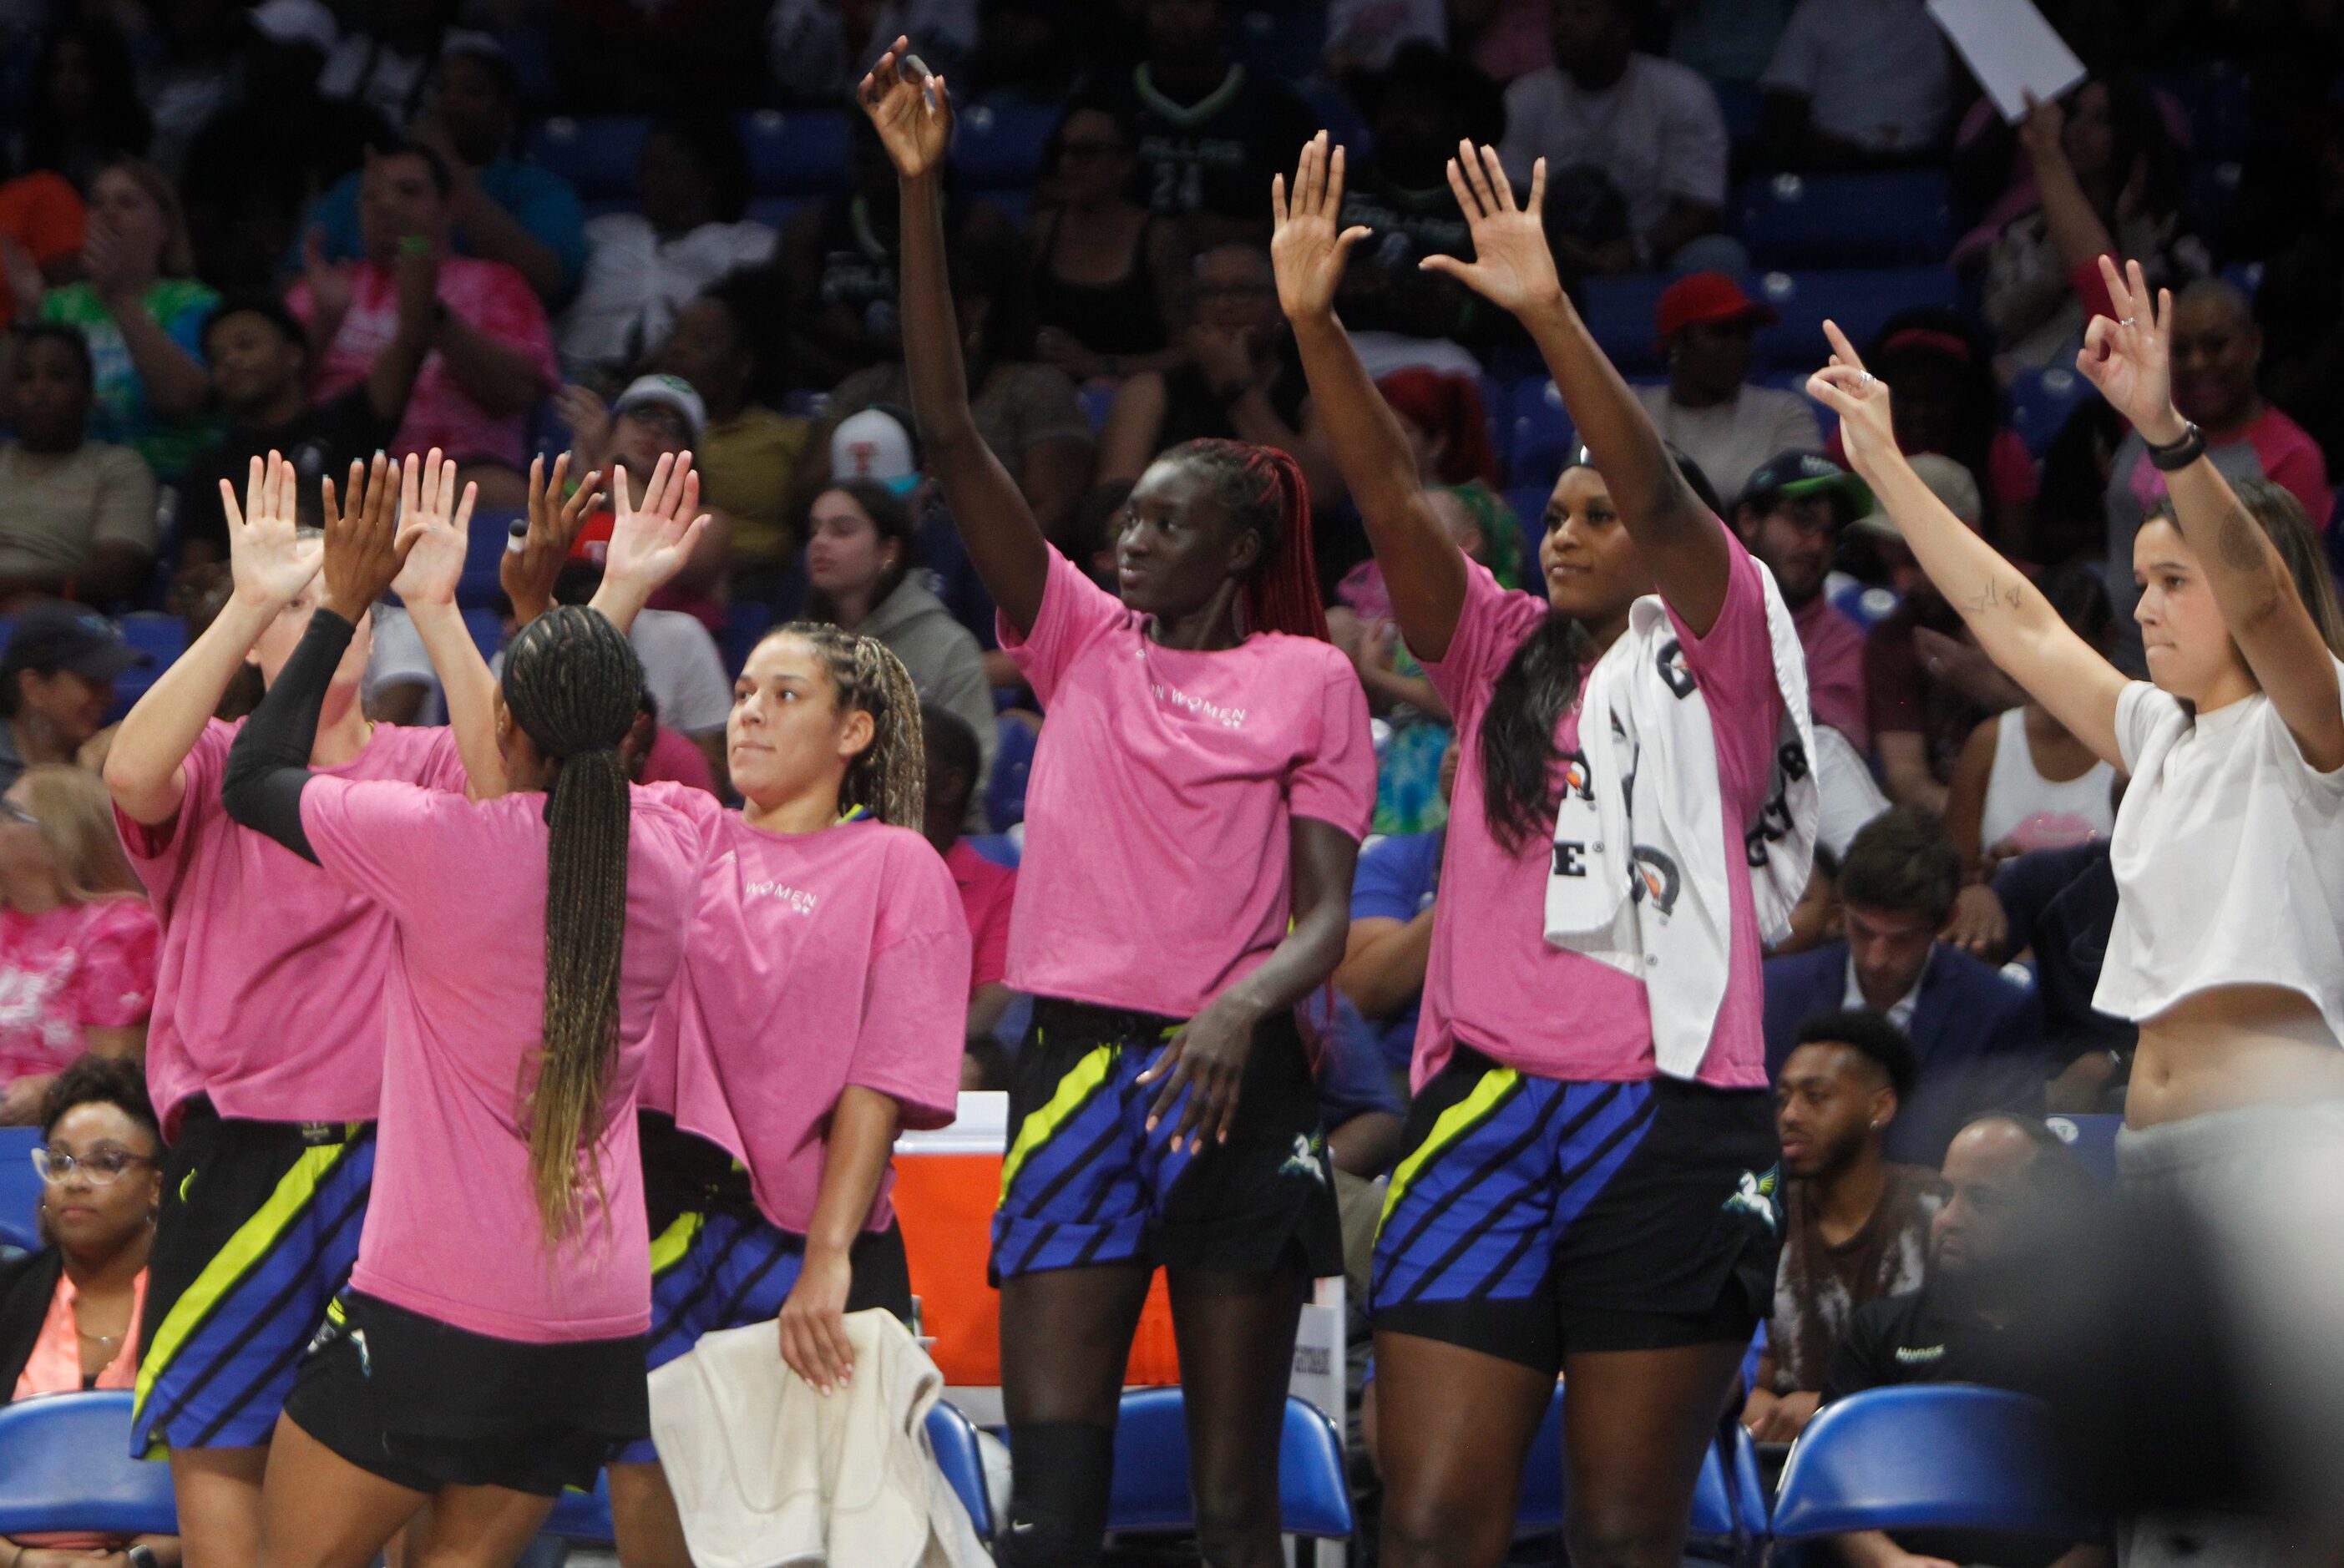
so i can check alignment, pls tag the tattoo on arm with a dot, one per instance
(1992, 595)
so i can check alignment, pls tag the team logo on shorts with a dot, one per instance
(1754, 1194)
(1305, 1160)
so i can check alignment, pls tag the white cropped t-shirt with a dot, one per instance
(2228, 856)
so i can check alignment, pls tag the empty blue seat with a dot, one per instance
(1945, 1456)
(997, 847)
(1005, 788)
(2042, 401)
(595, 153)
(1719, 1507)
(999, 145)
(1151, 1469)
(1621, 315)
(1542, 434)
(1860, 300)
(803, 152)
(952, 1440)
(582, 1516)
(484, 551)
(20, 1188)
(66, 1464)
(1884, 219)
(488, 631)
(2093, 1141)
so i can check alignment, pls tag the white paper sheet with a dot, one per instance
(2010, 49)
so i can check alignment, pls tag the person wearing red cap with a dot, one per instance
(1709, 411)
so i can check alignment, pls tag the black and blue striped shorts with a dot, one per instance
(258, 1232)
(1532, 1216)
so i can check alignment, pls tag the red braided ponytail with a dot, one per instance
(1264, 487)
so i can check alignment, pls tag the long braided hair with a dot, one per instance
(1262, 489)
(889, 777)
(573, 683)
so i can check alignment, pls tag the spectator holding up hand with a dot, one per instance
(143, 313)
(491, 355)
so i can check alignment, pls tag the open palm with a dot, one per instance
(2129, 358)
(437, 528)
(911, 111)
(269, 561)
(1511, 266)
(1311, 246)
(649, 543)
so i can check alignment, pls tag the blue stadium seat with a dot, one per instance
(1542, 434)
(583, 1516)
(20, 1188)
(953, 1442)
(1151, 1469)
(998, 146)
(801, 153)
(776, 211)
(488, 631)
(746, 622)
(1884, 219)
(162, 638)
(66, 1464)
(1926, 1456)
(2093, 1141)
(1284, 44)
(1098, 398)
(1865, 605)
(997, 847)
(1497, 405)
(1004, 790)
(2042, 400)
(1619, 313)
(596, 152)
(483, 553)
(1720, 1509)
(1529, 502)
(1860, 300)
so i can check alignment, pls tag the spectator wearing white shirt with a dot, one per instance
(693, 186)
(385, 60)
(1855, 83)
(1708, 410)
(1651, 127)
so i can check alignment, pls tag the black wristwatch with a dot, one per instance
(141, 1555)
(2179, 454)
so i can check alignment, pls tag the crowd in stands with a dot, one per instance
(513, 228)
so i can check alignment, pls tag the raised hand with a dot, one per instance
(362, 548)
(1511, 266)
(434, 531)
(2130, 359)
(1309, 245)
(589, 419)
(2043, 133)
(1867, 426)
(269, 561)
(910, 108)
(527, 574)
(651, 544)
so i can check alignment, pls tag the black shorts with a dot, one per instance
(1531, 1217)
(424, 1405)
(258, 1230)
(1084, 1182)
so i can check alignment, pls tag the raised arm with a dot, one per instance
(2013, 622)
(1422, 565)
(648, 544)
(435, 527)
(270, 564)
(2129, 359)
(1685, 547)
(533, 561)
(913, 113)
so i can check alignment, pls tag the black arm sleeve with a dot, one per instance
(270, 763)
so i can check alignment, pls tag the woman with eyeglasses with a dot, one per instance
(77, 940)
(69, 1312)
(1110, 278)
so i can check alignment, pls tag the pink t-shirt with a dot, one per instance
(55, 1365)
(815, 961)
(486, 295)
(453, 1228)
(672, 759)
(1154, 871)
(268, 997)
(986, 892)
(2284, 453)
(1492, 979)
(1834, 645)
(74, 968)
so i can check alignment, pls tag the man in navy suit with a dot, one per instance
(1978, 1035)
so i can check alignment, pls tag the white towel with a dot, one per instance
(1639, 879)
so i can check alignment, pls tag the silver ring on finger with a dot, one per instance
(2126, 322)
(1866, 379)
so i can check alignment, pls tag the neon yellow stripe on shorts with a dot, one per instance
(1082, 1081)
(248, 1247)
(669, 1246)
(1451, 1125)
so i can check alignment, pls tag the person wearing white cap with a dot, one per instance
(657, 416)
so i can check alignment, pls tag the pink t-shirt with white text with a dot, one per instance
(76, 968)
(1154, 872)
(487, 296)
(453, 1228)
(1492, 979)
(815, 961)
(268, 997)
